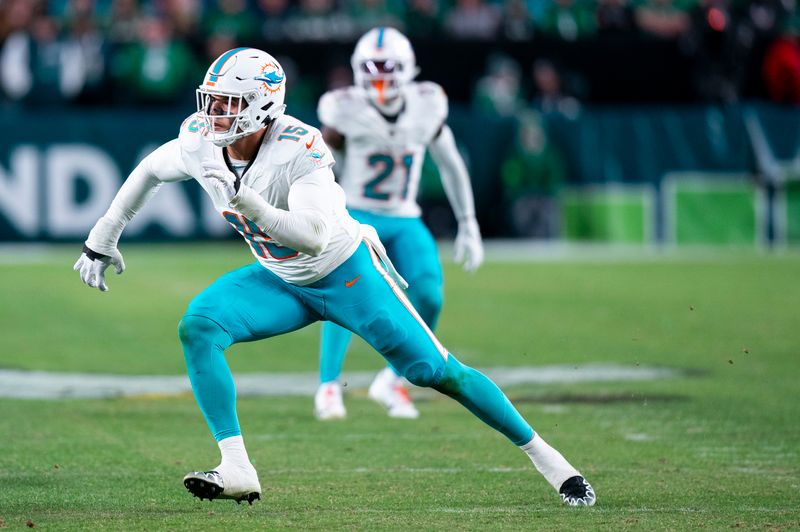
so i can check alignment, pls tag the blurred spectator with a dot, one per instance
(423, 18)
(75, 10)
(549, 96)
(473, 19)
(55, 63)
(662, 19)
(275, 13)
(368, 14)
(532, 177)
(36, 64)
(781, 70)
(568, 20)
(85, 39)
(720, 43)
(158, 68)
(217, 44)
(318, 20)
(517, 23)
(499, 92)
(123, 22)
(538, 8)
(614, 16)
(184, 17)
(766, 16)
(16, 77)
(231, 17)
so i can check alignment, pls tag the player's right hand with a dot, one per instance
(92, 267)
(226, 183)
(468, 245)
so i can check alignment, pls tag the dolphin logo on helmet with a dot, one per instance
(271, 76)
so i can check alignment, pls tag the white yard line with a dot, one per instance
(49, 385)
(497, 250)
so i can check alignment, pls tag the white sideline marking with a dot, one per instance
(20, 384)
(496, 250)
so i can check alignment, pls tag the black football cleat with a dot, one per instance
(575, 491)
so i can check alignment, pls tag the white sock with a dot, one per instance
(553, 467)
(233, 452)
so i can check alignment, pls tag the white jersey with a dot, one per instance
(290, 150)
(383, 160)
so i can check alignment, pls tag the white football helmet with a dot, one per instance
(383, 62)
(255, 86)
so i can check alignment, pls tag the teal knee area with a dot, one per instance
(426, 296)
(453, 377)
(384, 333)
(424, 373)
(199, 337)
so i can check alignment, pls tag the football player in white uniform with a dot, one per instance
(384, 124)
(270, 176)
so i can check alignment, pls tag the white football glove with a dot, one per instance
(222, 179)
(92, 267)
(469, 247)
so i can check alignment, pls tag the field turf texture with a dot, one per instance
(716, 448)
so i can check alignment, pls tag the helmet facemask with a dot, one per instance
(235, 109)
(382, 80)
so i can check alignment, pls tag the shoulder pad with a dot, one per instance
(289, 137)
(192, 134)
(336, 108)
(434, 98)
(299, 147)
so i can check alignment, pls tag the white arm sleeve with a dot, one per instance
(306, 226)
(163, 165)
(453, 171)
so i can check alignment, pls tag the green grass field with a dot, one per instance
(716, 448)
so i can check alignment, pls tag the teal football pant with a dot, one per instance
(412, 250)
(252, 303)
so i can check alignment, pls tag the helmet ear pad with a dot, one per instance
(244, 123)
(264, 118)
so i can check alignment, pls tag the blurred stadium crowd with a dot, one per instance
(517, 67)
(150, 51)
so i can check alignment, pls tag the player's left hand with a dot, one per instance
(222, 179)
(92, 267)
(469, 247)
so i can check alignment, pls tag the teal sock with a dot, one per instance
(332, 350)
(483, 398)
(204, 343)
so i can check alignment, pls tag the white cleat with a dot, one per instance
(390, 391)
(328, 402)
(239, 483)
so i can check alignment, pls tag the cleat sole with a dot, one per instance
(202, 489)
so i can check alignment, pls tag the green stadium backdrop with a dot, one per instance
(632, 175)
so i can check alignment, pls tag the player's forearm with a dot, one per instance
(163, 165)
(134, 194)
(304, 230)
(453, 172)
